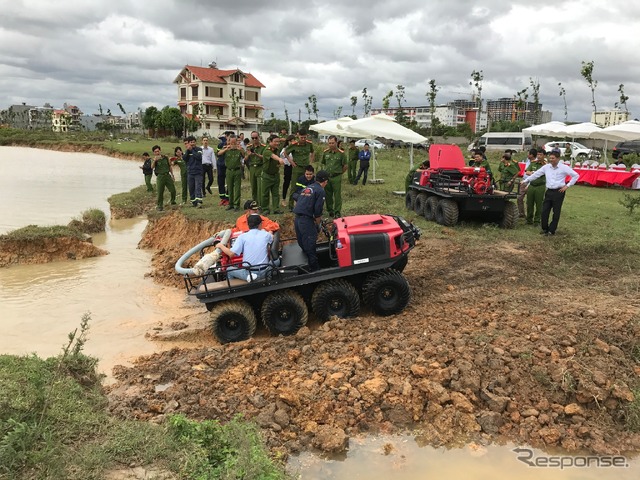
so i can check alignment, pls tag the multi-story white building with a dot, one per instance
(223, 99)
(607, 118)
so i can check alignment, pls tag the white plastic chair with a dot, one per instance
(602, 166)
(577, 165)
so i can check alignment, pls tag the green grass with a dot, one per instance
(93, 220)
(54, 424)
(35, 232)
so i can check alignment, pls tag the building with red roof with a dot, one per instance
(221, 99)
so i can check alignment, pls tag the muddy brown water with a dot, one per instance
(41, 304)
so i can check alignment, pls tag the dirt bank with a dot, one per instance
(485, 350)
(44, 250)
(80, 147)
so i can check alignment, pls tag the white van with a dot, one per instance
(520, 141)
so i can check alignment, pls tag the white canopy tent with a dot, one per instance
(330, 127)
(549, 128)
(629, 130)
(384, 126)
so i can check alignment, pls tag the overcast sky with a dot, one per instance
(88, 53)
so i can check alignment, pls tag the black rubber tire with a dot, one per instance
(335, 297)
(387, 292)
(430, 208)
(418, 205)
(401, 264)
(284, 313)
(410, 199)
(233, 321)
(509, 215)
(447, 212)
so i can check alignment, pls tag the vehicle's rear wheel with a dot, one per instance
(335, 297)
(387, 291)
(410, 199)
(447, 212)
(233, 321)
(419, 204)
(509, 215)
(430, 208)
(284, 313)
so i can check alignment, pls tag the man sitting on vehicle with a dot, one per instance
(251, 208)
(254, 247)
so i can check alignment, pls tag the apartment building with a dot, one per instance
(607, 118)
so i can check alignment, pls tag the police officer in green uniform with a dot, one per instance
(535, 191)
(334, 161)
(164, 176)
(271, 176)
(479, 160)
(255, 161)
(233, 157)
(353, 161)
(147, 171)
(509, 171)
(303, 155)
(177, 160)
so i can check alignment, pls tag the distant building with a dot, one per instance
(27, 117)
(409, 112)
(607, 118)
(225, 99)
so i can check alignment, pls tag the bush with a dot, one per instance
(630, 202)
(93, 221)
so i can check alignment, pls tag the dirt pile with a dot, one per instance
(44, 250)
(483, 350)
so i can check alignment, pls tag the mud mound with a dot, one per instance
(45, 250)
(486, 349)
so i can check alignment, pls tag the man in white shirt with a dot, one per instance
(208, 161)
(555, 174)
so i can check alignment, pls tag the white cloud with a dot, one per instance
(130, 51)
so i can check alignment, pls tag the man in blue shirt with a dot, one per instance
(254, 248)
(308, 211)
(193, 159)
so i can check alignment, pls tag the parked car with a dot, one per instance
(372, 143)
(624, 148)
(578, 151)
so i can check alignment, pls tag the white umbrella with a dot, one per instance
(624, 131)
(554, 129)
(385, 126)
(330, 127)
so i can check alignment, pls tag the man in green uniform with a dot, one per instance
(233, 157)
(177, 160)
(164, 176)
(535, 192)
(334, 161)
(353, 161)
(480, 161)
(303, 155)
(255, 162)
(147, 171)
(270, 187)
(509, 171)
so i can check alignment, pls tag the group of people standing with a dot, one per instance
(544, 184)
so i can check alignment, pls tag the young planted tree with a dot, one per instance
(521, 102)
(563, 94)
(337, 113)
(535, 88)
(623, 98)
(476, 81)
(367, 100)
(121, 108)
(431, 95)
(386, 99)
(313, 101)
(354, 102)
(401, 118)
(587, 73)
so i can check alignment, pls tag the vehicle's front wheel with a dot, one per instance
(233, 321)
(284, 313)
(430, 208)
(410, 199)
(336, 297)
(419, 204)
(387, 291)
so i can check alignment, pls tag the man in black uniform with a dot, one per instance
(308, 211)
